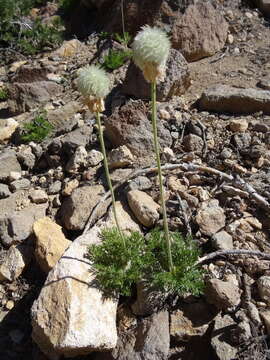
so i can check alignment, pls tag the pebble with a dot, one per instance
(22, 184)
(10, 304)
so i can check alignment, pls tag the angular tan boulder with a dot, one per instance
(71, 317)
(51, 243)
(144, 208)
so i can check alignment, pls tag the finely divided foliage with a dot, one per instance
(93, 81)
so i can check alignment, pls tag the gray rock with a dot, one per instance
(75, 138)
(62, 118)
(17, 226)
(16, 259)
(4, 191)
(38, 196)
(77, 160)
(265, 82)
(210, 217)
(193, 143)
(148, 301)
(120, 157)
(26, 157)
(222, 241)
(224, 98)
(200, 32)
(177, 79)
(139, 183)
(264, 288)
(94, 157)
(27, 96)
(130, 126)
(149, 340)
(21, 184)
(221, 338)
(223, 294)
(8, 163)
(55, 187)
(76, 209)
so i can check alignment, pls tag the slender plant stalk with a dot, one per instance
(105, 161)
(156, 145)
(123, 19)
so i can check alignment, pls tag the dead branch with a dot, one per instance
(186, 167)
(235, 252)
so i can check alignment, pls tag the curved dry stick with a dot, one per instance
(235, 252)
(236, 181)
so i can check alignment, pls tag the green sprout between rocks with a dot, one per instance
(151, 48)
(3, 94)
(119, 267)
(94, 84)
(37, 130)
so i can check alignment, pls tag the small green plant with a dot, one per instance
(3, 94)
(37, 130)
(124, 39)
(115, 59)
(118, 268)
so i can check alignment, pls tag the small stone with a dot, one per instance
(10, 305)
(168, 154)
(77, 160)
(50, 243)
(69, 187)
(7, 128)
(26, 157)
(266, 318)
(193, 143)
(38, 196)
(143, 207)
(120, 157)
(230, 39)
(222, 241)
(14, 175)
(95, 157)
(4, 191)
(22, 184)
(238, 125)
(55, 188)
(164, 114)
(223, 294)
(42, 180)
(139, 183)
(16, 258)
(221, 337)
(210, 217)
(264, 288)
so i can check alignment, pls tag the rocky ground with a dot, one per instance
(214, 130)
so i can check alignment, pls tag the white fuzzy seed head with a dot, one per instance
(93, 82)
(151, 49)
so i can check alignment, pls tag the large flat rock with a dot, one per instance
(71, 317)
(224, 98)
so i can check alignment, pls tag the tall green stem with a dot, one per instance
(156, 145)
(105, 161)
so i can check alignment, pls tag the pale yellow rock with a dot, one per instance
(69, 48)
(144, 208)
(124, 217)
(7, 128)
(71, 316)
(50, 243)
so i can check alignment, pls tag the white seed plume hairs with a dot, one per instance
(151, 48)
(94, 84)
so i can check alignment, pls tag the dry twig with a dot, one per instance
(186, 167)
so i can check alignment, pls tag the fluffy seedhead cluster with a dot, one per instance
(151, 49)
(94, 84)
